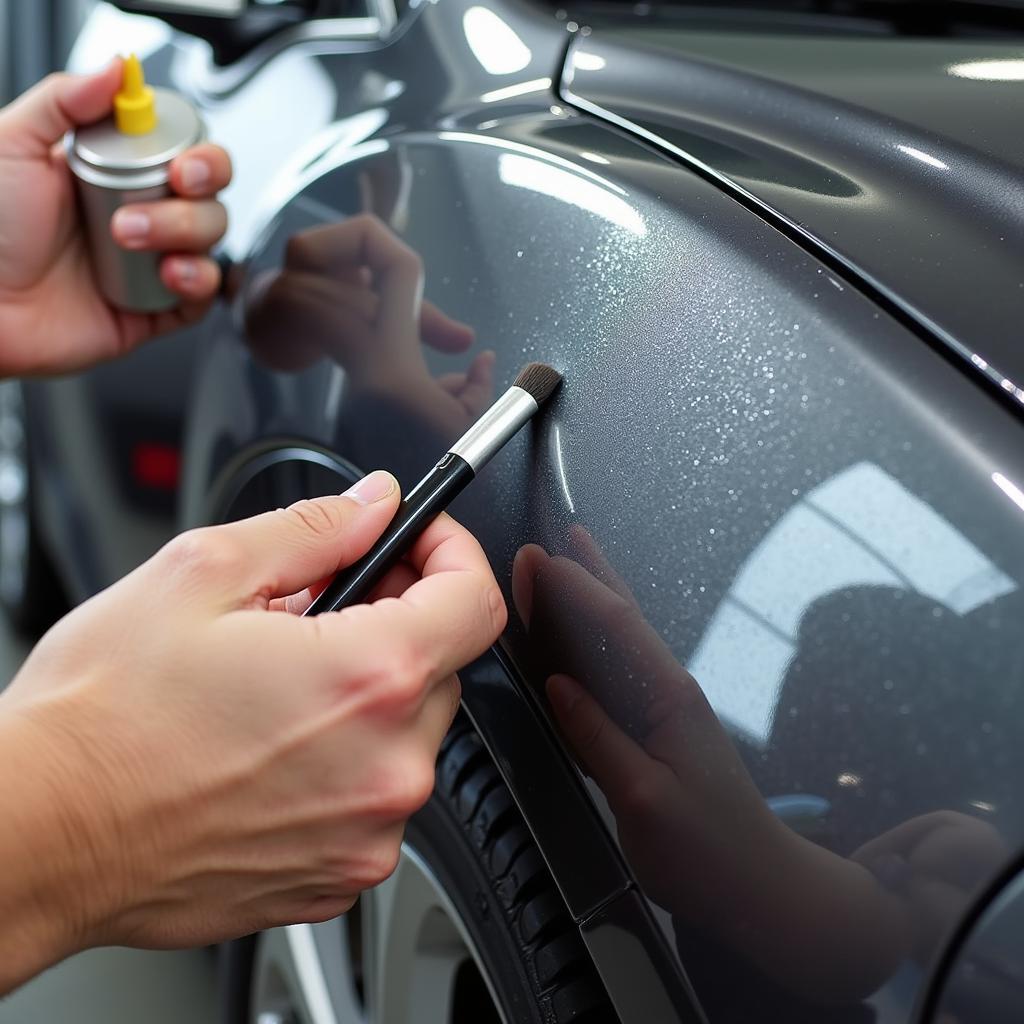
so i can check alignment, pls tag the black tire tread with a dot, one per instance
(561, 973)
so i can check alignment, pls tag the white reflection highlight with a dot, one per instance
(1011, 70)
(594, 157)
(525, 172)
(538, 154)
(310, 969)
(1010, 489)
(520, 89)
(859, 528)
(133, 33)
(556, 444)
(587, 61)
(925, 158)
(494, 42)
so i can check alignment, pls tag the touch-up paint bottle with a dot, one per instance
(125, 159)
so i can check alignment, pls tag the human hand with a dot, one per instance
(352, 292)
(695, 830)
(201, 763)
(53, 318)
(655, 748)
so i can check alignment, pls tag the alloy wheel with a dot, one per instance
(401, 956)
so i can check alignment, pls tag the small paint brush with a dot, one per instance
(439, 488)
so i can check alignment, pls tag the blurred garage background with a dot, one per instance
(35, 37)
(112, 986)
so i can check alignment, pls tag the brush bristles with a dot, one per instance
(540, 380)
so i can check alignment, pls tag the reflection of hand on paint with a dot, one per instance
(691, 822)
(352, 291)
(935, 864)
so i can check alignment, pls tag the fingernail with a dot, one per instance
(194, 173)
(131, 226)
(564, 694)
(371, 488)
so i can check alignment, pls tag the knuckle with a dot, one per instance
(495, 610)
(400, 680)
(205, 553)
(326, 908)
(377, 865)
(319, 517)
(413, 788)
(56, 81)
(400, 789)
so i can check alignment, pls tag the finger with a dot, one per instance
(201, 172)
(441, 623)
(904, 837)
(394, 584)
(295, 318)
(440, 331)
(364, 240)
(284, 552)
(323, 303)
(439, 710)
(593, 634)
(529, 561)
(195, 278)
(586, 551)
(180, 225)
(340, 305)
(60, 102)
(478, 391)
(609, 756)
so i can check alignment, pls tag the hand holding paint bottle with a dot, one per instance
(77, 271)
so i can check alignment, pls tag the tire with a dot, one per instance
(514, 954)
(30, 593)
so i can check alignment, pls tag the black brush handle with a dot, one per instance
(431, 496)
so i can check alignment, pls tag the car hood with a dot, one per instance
(900, 161)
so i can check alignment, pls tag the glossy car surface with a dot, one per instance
(773, 460)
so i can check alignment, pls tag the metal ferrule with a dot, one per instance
(495, 428)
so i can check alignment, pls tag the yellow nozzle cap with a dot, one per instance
(135, 104)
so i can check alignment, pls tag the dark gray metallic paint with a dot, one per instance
(778, 486)
(901, 158)
(986, 985)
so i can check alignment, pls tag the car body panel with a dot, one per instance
(900, 158)
(751, 470)
(986, 983)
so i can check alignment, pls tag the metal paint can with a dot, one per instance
(113, 169)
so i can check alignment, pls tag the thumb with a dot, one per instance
(283, 552)
(31, 125)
